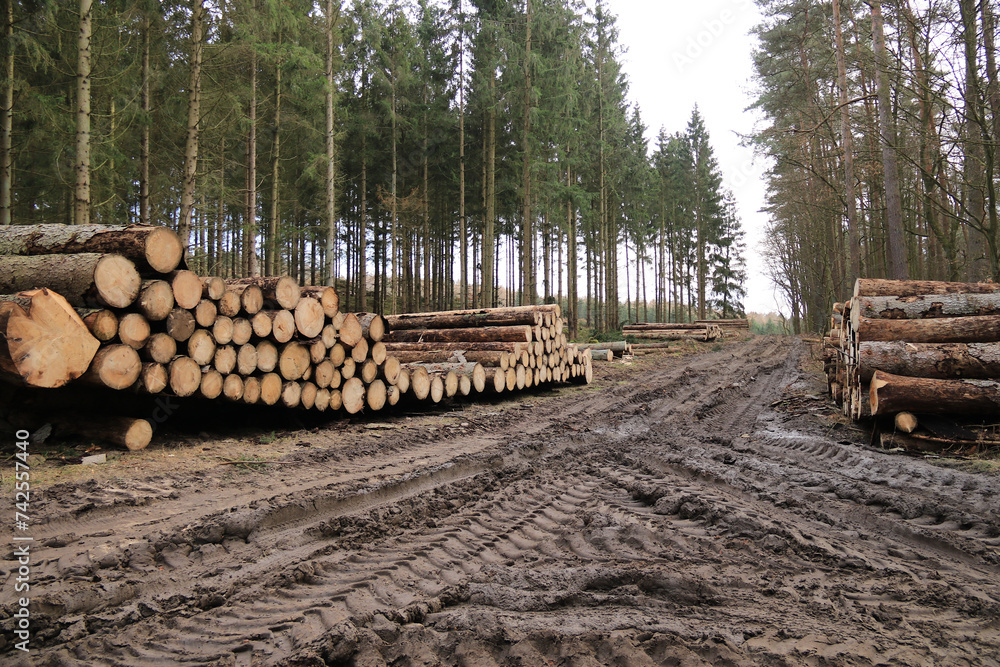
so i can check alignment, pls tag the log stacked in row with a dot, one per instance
(663, 331)
(518, 347)
(923, 355)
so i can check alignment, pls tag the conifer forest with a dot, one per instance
(418, 154)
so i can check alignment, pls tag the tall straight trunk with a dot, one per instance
(396, 253)
(527, 227)
(272, 223)
(331, 220)
(426, 205)
(144, 216)
(573, 270)
(898, 268)
(489, 247)
(193, 119)
(81, 196)
(977, 266)
(847, 144)
(991, 134)
(463, 246)
(250, 222)
(6, 110)
(363, 230)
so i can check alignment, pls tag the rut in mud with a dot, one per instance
(706, 510)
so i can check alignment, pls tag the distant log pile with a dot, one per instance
(922, 358)
(665, 331)
(114, 307)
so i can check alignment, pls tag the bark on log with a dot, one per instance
(516, 348)
(895, 393)
(83, 280)
(283, 291)
(157, 248)
(327, 297)
(701, 335)
(309, 318)
(185, 376)
(353, 396)
(114, 366)
(512, 334)
(926, 306)
(452, 319)
(373, 326)
(973, 329)
(187, 288)
(880, 287)
(663, 326)
(617, 346)
(161, 348)
(156, 299)
(180, 324)
(48, 344)
(929, 360)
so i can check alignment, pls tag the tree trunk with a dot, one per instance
(146, 107)
(479, 334)
(271, 251)
(929, 360)
(115, 367)
(847, 141)
(909, 288)
(250, 220)
(6, 111)
(81, 196)
(193, 121)
(973, 329)
(331, 83)
(922, 307)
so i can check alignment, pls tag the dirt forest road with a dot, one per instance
(685, 510)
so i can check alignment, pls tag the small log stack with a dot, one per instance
(918, 356)
(115, 307)
(704, 331)
(517, 347)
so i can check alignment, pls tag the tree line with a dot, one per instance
(421, 155)
(882, 120)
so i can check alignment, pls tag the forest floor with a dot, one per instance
(707, 508)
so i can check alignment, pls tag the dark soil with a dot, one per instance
(707, 509)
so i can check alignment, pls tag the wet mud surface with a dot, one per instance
(684, 510)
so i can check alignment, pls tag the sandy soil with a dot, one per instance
(709, 509)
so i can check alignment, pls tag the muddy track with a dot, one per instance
(706, 510)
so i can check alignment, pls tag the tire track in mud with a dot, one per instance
(671, 518)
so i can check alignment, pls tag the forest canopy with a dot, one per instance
(420, 155)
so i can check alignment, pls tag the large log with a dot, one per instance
(880, 287)
(133, 330)
(156, 299)
(114, 366)
(47, 341)
(494, 346)
(102, 323)
(267, 356)
(271, 386)
(232, 387)
(350, 330)
(153, 378)
(890, 394)
(663, 326)
(702, 335)
(185, 376)
(222, 330)
(376, 395)
(205, 313)
(251, 298)
(83, 280)
(513, 334)
(327, 297)
(373, 326)
(929, 360)
(283, 291)
(353, 396)
(925, 306)
(225, 359)
(187, 288)
(229, 304)
(160, 348)
(213, 287)
(201, 347)
(242, 331)
(973, 329)
(211, 384)
(157, 248)
(180, 324)
(309, 317)
(293, 361)
(132, 434)
(463, 319)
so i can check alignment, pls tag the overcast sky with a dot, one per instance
(684, 53)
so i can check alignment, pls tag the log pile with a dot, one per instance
(704, 331)
(516, 347)
(922, 358)
(730, 327)
(113, 307)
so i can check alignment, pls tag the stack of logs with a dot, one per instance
(496, 350)
(666, 331)
(730, 327)
(115, 307)
(923, 357)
